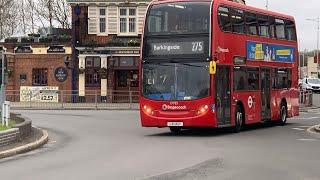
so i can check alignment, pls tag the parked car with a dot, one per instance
(312, 84)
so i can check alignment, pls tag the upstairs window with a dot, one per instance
(291, 31)
(263, 22)
(224, 19)
(102, 20)
(251, 23)
(280, 26)
(237, 19)
(127, 20)
(272, 24)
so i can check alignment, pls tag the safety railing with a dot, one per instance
(55, 99)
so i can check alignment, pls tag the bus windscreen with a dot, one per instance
(178, 18)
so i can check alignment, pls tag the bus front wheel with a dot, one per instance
(238, 119)
(283, 114)
(175, 130)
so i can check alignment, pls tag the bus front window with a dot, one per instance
(176, 81)
(179, 18)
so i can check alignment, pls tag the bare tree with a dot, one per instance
(8, 15)
(62, 13)
(44, 12)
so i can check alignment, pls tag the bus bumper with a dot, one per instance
(207, 120)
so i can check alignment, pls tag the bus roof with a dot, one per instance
(234, 4)
(250, 8)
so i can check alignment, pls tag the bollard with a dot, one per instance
(5, 113)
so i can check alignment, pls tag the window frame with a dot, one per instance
(275, 75)
(294, 30)
(127, 17)
(272, 27)
(246, 83)
(229, 18)
(41, 77)
(99, 33)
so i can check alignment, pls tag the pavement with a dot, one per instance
(113, 145)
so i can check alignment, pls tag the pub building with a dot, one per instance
(106, 39)
(33, 64)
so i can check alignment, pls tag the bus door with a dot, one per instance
(223, 95)
(265, 93)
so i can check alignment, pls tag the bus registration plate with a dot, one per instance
(175, 123)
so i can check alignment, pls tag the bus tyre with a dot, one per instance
(238, 120)
(283, 114)
(175, 130)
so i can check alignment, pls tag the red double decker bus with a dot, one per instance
(217, 64)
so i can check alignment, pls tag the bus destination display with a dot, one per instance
(176, 48)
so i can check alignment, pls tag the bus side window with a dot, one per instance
(280, 29)
(272, 27)
(224, 19)
(251, 23)
(237, 19)
(290, 31)
(263, 22)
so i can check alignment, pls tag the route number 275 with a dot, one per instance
(197, 46)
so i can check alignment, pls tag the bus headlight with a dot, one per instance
(202, 110)
(147, 110)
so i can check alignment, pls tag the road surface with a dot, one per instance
(112, 145)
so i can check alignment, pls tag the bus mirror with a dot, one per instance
(213, 67)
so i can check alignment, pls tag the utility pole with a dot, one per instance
(267, 4)
(2, 98)
(317, 20)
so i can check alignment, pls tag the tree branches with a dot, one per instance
(27, 16)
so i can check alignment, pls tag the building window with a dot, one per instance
(92, 77)
(40, 77)
(127, 20)
(102, 20)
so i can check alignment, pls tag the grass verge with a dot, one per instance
(11, 123)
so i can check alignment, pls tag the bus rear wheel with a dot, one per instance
(175, 130)
(239, 121)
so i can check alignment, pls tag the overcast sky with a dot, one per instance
(301, 10)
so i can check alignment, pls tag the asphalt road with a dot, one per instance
(316, 100)
(112, 145)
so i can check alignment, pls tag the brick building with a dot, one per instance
(107, 37)
(36, 65)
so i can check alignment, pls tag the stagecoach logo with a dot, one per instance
(167, 107)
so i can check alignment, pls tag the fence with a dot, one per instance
(306, 98)
(55, 99)
(48, 99)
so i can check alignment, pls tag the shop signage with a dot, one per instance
(61, 74)
(56, 49)
(45, 94)
(23, 49)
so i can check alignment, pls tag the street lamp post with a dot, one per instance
(317, 20)
(267, 4)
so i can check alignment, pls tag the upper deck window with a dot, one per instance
(280, 32)
(179, 18)
(291, 31)
(252, 23)
(224, 19)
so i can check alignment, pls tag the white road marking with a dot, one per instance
(309, 118)
(310, 140)
(299, 129)
(304, 126)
